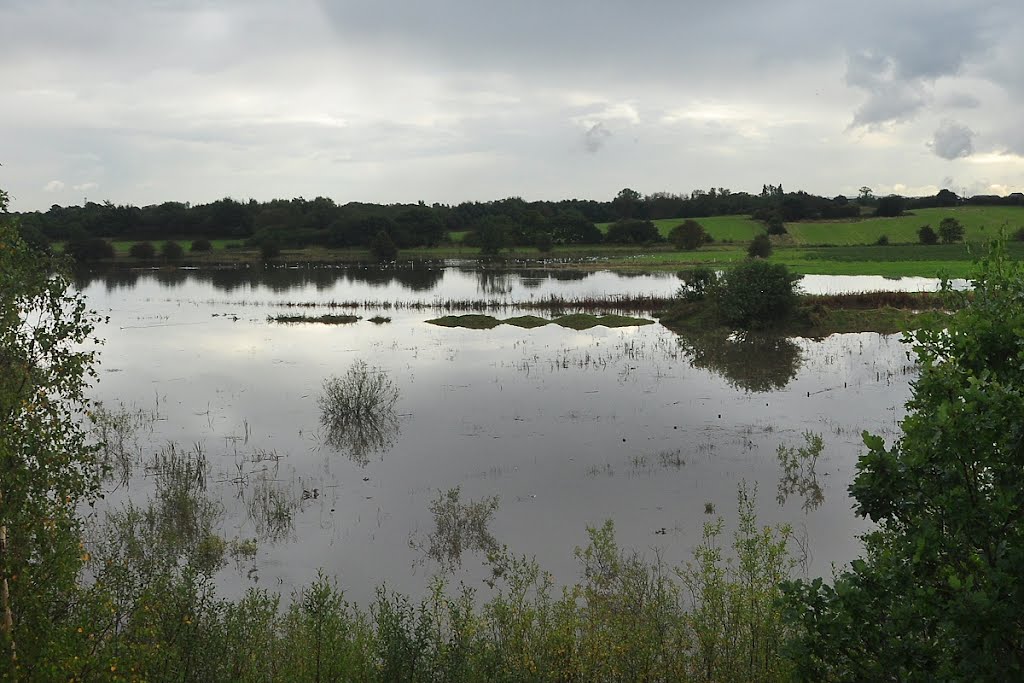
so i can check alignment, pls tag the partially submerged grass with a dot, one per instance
(326, 319)
(822, 315)
(574, 321)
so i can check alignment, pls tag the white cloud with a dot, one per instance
(54, 186)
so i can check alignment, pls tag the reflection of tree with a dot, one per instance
(747, 360)
(458, 527)
(491, 282)
(358, 412)
(798, 474)
(362, 438)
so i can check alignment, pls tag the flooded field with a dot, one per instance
(510, 436)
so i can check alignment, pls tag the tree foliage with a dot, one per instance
(760, 247)
(47, 466)
(755, 294)
(688, 235)
(937, 595)
(951, 230)
(927, 235)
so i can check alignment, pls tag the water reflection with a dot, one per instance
(358, 412)
(458, 528)
(753, 362)
(416, 278)
(798, 472)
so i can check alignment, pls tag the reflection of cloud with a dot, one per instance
(747, 361)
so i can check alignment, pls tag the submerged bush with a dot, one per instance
(358, 411)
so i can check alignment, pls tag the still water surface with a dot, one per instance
(568, 428)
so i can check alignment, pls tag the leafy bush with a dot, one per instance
(926, 235)
(697, 283)
(632, 231)
(171, 251)
(201, 244)
(755, 294)
(86, 249)
(688, 235)
(383, 247)
(142, 250)
(760, 247)
(882, 241)
(937, 594)
(951, 230)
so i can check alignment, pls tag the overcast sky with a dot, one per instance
(144, 101)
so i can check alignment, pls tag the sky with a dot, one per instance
(145, 101)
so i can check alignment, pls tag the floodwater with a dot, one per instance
(566, 428)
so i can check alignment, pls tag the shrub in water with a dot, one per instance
(756, 294)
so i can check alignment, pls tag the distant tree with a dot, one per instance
(688, 235)
(142, 250)
(882, 241)
(492, 234)
(383, 247)
(774, 225)
(951, 230)
(865, 196)
(269, 249)
(760, 247)
(171, 251)
(544, 242)
(86, 249)
(629, 204)
(201, 244)
(632, 231)
(946, 198)
(889, 206)
(926, 235)
(570, 226)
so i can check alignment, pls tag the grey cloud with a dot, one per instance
(953, 140)
(595, 137)
(962, 100)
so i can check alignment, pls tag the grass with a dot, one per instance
(980, 223)
(823, 315)
(574, 321)
(326, 319)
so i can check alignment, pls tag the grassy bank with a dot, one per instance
(819, 316)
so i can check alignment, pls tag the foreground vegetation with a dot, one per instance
(131, 597)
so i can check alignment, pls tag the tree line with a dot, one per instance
(491, 225)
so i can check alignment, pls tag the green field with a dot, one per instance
(982, 223)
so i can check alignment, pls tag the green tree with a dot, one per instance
(492, 234)
(926, 235)
(755, 294)
(142, 250)
(889, 206)
(47, 466)
(171, 251)
(760, 247)
(938, 593)
(951, 230)
(688, 235)
(383, 248)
